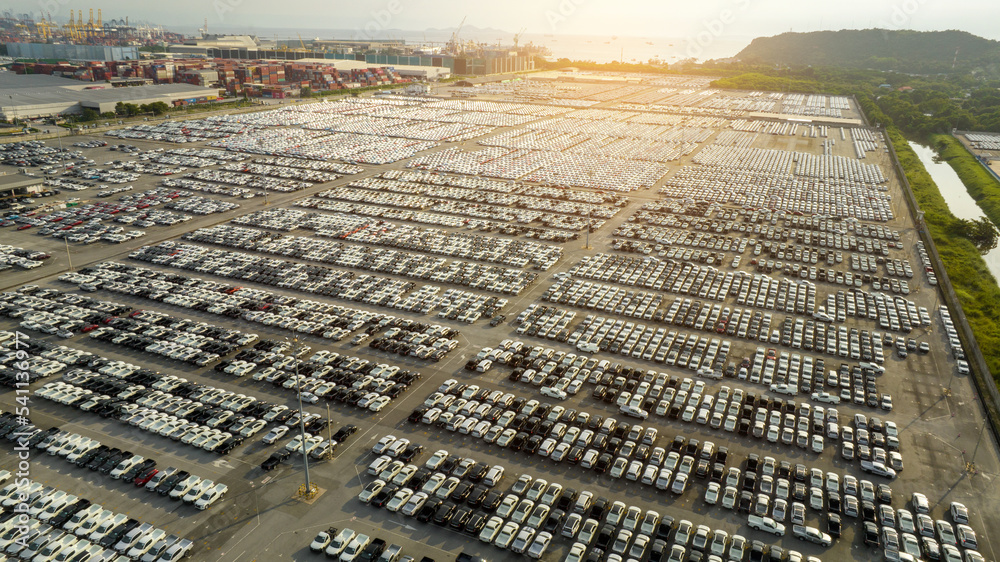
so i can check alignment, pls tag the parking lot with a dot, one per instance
(499, 279)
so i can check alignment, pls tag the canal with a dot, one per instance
(961, 204)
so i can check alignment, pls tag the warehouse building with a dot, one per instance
(31, 96)
(70, 52)
(426, 73)
(19, 185)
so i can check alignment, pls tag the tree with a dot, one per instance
(305, 92)
(89, 114)
(159, 107)
(981, 232)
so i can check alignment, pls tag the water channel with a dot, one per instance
(962, 204)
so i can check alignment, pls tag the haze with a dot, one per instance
(643, 18)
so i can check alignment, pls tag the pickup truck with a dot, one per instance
(878, 468)
(811, 534)
(767, 525)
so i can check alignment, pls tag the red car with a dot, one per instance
(24, 226)
(89, 328)
(145, 477)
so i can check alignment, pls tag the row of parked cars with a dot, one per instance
(734, 411)
(517, 203)
(503, 251)
(370, 289)
(118, 464)
(348, 545)
(189, 423)
(271, 309)
(437, 219)
(189, 130)
(115, 538)
(493, 278)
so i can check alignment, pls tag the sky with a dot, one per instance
(641, 18)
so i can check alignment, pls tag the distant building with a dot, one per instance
(39, 96)
(19, 185)
(70, 52)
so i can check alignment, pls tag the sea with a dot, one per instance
(602, 49)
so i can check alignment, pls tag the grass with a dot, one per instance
(976, 288)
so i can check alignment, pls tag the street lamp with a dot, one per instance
(308, 490)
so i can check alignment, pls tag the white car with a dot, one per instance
(399, 500)
(370, 490)
(383, 444)
(210, 496)
(378, 465)
(275, 434)
(713, 493)
(436, 460)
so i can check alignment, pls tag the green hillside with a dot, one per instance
(919, 52)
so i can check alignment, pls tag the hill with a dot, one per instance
(914, 52)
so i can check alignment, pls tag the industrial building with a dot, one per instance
(475, 62)
(19, 185)
(413, 72)
(70, 52)
(31, 96)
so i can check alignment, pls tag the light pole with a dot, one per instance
(308, 491)
(590, 226)
(68, 256)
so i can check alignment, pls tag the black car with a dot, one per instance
(65, 513)
(372, 551)
(384, 495)
(603, 463)
(492, 501)
(476, 523)
(554, 521)
(868, 511)
(90, 455)
(871, 534)
(461, 518)
(659, 550)
(99, 460)
(410, 452)
(833, 502)
(598, 509)
(228, 445)
(112, 537)
(834, 525)
(477, 495)
(444, 512)
(531, 447)
(757, 551)
(169, 482)
(461, 492)
(129, 476)
(274, 460)
(427, 512)
(605, 536)
(113, 461)
(663, 530)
